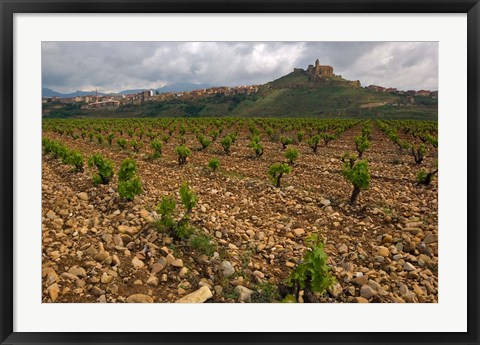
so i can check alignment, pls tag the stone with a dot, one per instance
(417, 290)
(158, 267)
(83, 196)
(227, 268)
(96, 291)
(413, 231)
(51, 215)
(152, 281)
(177, 263)
(360, 280)
(335, 290)
(367, 292)
(383, 251)
(144, 213)
(430, 238)
(137, 263)
(360, 300)
(408, 267)
(183, 272)
(101, 256)
(53, 291)
(342, 249)
(105, 279)
(139, 298)
(78, 271)
(201, 295)
(387, 238)
(244, 294)
(299, 232)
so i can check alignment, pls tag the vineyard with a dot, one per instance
(239, 210)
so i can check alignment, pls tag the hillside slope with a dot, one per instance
(292, 95)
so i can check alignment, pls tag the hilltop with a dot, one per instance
(314, 92)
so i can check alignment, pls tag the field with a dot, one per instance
(361, 227)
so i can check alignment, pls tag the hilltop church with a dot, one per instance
(315, 73)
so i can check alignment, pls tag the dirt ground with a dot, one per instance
(99, 248)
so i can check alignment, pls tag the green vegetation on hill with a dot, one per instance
(292, 95)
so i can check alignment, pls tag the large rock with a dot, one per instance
(227, 268)
(53, 292)
(367, 292)
(78, 271)
(244, 294)
(199, 296)
(139, 298)
(137, 263)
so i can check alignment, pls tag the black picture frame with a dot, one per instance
(9, 7)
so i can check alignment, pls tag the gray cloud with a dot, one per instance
(116, 66)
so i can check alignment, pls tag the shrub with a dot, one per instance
(313, 143)
(300, 135)
(129, 183)
(276, 172)
(157, 147)
(265, 293)
(256, 146)
(418, 153)
(203, 244)
(357, 172)
(188, 197)
(214, 135)
(110, 138)
(129, 188)
(122, 143)
(90, 136)
(165, 138)
(183, 153)
(167, 206)
(361, 143)
(270, 133)
(100, 138)
(214, 164)
(75, 158)
(424, 177)
(226, 143)
(136, 146)
(204, 142)
(286, 141)
(313, 273)
(165, 209)
(327, 138)
(104, 167)
(291, 154)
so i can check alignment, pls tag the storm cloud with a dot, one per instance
(117, 66)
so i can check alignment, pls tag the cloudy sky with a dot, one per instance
(117, 66)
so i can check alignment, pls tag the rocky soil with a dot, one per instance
(99, 248)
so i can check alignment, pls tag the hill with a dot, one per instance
(293, 95)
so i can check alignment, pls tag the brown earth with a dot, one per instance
(384, 249)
